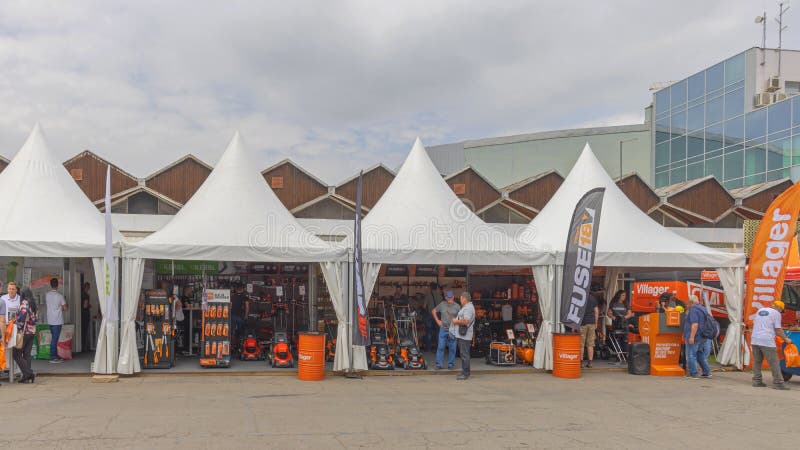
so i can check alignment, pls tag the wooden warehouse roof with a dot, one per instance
(179, 180)
(89, 171)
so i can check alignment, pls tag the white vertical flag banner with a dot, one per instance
(108, 260)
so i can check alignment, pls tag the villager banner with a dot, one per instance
(361, 330)
(579, 257)
(770, 252)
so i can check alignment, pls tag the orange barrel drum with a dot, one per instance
(311, 357)
(566, 355)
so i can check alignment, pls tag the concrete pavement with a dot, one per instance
(600, 410)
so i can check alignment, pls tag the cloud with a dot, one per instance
(338, 86)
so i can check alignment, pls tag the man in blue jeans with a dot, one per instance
(443, 314)
(55, 318)
(695, 343)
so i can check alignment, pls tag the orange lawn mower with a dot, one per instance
(407, 353)
(252, 350)
(380, 348)
(280, 353)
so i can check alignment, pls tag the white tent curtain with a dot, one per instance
(544, 277)
(610, 281)
(734, 351)
(337, 277)
(370, 276)
(105, 357)
(132, 274)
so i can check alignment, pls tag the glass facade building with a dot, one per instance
(705, 125)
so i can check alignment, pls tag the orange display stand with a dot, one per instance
(664, 333)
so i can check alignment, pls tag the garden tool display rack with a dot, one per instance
(159, 342)
(215, 348)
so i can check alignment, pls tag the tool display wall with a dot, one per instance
(159, 345)
(215, 348)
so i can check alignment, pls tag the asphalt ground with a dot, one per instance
(529, 410)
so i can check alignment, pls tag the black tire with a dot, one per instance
(787, 376)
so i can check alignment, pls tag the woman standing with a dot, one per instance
(27, 319)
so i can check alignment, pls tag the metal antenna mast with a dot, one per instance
(781, 27)
(762, 19)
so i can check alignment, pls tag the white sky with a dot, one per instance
(338, 86)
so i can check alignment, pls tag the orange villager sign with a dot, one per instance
(770, 253)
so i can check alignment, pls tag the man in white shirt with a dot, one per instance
(466, 318)
(55, 318)
(767, 325)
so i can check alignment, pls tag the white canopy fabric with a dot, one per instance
(45, 214)
(419, 220)
(627, 236)
(234, 216)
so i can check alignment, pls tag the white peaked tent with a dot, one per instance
(47, 215)
(419, 220)
(234, 216)
(627, 238)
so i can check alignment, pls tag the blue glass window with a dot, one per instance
(780, 116)
(696, 117)
(662, 154)
(714, 110)
(678, 123)
(755, 160)
(734, 165)
(755, 178)
(796, 111)
(714, 139)
(734, 103)
(697, 86)
(662, 101)
(778, 174)
(715, 78)
(756, 124)
(678, 93)
(779, 154)
(677, 175)
(662, 179)
(734, 148)
(796, 150)
(734, 131)
(734, 69)
(694, 171)
(733, 184)
(714, 167)
(678, 149)
(694, 146)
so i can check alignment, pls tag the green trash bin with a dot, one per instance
(42, 342)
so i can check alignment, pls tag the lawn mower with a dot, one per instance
(251, 349)
(380, 349)
(280, 349)
(525, 347)
(406, 351)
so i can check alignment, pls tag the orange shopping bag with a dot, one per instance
(791, 355)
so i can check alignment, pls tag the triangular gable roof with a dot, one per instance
(698, 201)
(296, 166)
(522, 183)
(627, 236)
(120, 196)
(188, 156)
(419, 219)
(259, 228)
(106, 162)
(366, 171)
(476, 172)
(36, 179)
